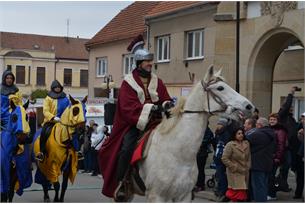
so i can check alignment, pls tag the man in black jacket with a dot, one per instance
(202, 156)
(262, 143)
(287, 120)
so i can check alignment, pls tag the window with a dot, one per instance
(9, 67)
(41, 76)
(20, 74)
(84, 78)
(102, 67)
(163, 48)
(195, 44)
(67, 77)
(128, 63)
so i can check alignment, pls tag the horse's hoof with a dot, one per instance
(56, 200)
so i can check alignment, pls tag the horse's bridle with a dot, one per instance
(218, 100)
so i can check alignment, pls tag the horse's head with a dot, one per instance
(75, 115)
(221, 97)
(18, 122)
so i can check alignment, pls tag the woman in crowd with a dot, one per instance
(236, 157)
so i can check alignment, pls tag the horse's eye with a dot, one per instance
(220, 88)
(14, 118)
(75, 111)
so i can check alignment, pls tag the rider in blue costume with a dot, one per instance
(8, 91)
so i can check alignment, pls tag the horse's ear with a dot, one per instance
(85, 99)
(73, 101)
(218, 74)
(12, 104)
(26, 105)
(209, 74)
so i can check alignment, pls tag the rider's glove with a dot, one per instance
(156, 111)
(168, 105)
(56, 119)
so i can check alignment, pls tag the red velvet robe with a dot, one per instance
(133, 108)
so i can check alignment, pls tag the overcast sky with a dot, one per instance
(50, 18)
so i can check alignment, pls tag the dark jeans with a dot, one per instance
(271, 188)
(87, 161)
(284, 169)
(299, 177)
(259, 181)
(128, 146)
(95, 167)
(222, 182)
(201, 161)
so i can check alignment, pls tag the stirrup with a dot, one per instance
(40, 157)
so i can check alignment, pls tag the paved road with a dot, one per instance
(86, 189)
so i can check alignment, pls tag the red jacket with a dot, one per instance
(133, 109)
(281, 142)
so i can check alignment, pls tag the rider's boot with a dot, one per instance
(120, 194)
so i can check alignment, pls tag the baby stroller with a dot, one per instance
(211, 183)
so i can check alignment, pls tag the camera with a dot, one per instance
(298, 88)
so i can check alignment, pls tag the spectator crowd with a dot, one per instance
(253, 156)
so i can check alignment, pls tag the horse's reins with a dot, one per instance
(214, 96)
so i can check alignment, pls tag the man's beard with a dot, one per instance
(143, 72)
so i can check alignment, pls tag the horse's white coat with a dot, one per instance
(170, 170)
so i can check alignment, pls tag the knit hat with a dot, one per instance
(222, 121)
(303, 114)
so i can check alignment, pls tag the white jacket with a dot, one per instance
(97, 138)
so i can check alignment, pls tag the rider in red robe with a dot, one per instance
(141, 95)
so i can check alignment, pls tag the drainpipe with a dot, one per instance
(147, 34)
(237, 44)
(55, 68)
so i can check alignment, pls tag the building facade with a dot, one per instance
(186, 37)
(37, 60)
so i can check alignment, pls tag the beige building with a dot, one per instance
(187, 40)
(186, 37)
(37, 60)
(108, 53)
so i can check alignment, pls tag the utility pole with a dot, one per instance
(68, 24)
(237, 45)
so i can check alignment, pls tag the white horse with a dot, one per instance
(170, 171)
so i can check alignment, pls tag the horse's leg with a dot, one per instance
(154, 198)
(13, 181)
(64, 184)
(46, 197)
(56, 188)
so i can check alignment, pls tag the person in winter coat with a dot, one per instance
(262, 144)
(281, 148)
(287, 120)
(202, 156)
(237, 158)
(97, 137)
(9, 91)
(53, 107)
(224, 130)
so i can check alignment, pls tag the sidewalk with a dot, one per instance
(282, 197)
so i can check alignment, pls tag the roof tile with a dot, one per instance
(74, 48)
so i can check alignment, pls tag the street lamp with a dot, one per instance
(108, 84)
(109, 107)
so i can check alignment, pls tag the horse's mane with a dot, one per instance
(168, 123)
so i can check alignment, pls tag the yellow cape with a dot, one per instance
(57, 154)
